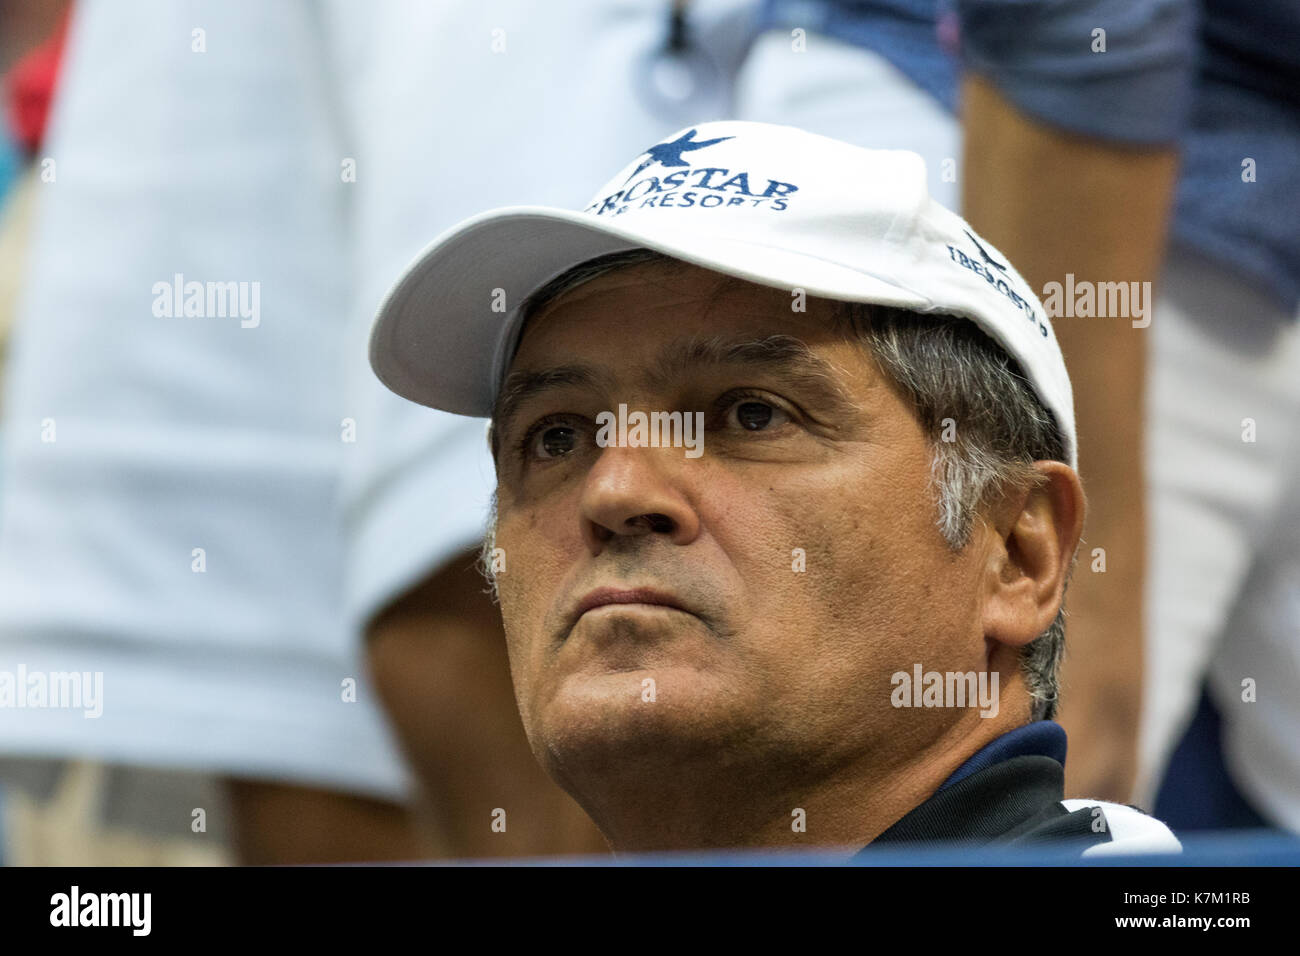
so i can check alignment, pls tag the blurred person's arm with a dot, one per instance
(1070, 167)
(437, 656)
(1056, 204)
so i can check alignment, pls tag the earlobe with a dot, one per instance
(1029, 565)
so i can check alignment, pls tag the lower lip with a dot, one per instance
(630, 604)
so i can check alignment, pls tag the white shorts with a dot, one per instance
(171, 480)
(1223, 577)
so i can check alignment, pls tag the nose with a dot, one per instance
(636, 491)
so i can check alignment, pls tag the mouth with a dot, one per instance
(604, 597)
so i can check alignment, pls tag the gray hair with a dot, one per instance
(952, 374)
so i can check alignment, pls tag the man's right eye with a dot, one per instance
(555, 441)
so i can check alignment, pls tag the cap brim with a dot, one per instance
(440, 335)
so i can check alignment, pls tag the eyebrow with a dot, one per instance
(781, 354)
(523, 385)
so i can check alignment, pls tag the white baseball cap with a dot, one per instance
(774, 205)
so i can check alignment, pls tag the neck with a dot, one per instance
(655, 805)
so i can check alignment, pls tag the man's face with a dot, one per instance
(797, 559)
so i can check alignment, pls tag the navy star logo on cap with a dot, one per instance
(670, 153)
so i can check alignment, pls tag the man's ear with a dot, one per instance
(1037, 531)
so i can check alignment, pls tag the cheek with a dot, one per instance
(877, 578)
(525, 589)
(810, 561)
(531, 551)
(905, 591)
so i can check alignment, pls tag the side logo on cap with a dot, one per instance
(984, 253)
(984, 268)
(708, 187)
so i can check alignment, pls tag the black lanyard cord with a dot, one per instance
(678, 40)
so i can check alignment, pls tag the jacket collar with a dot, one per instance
(1004, 788)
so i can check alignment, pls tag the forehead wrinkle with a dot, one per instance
(780, 352)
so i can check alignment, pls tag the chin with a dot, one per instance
(606, 717)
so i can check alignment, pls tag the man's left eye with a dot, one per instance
(755, 415)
